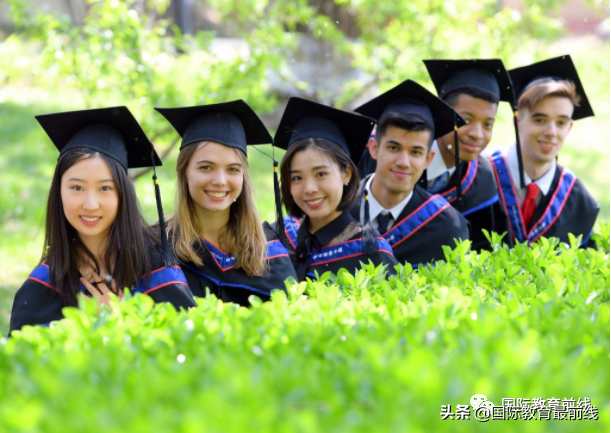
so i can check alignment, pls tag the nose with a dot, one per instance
(219, 178)
(91, 201)
(310, 186)
(550, 129)
(475, 130)
(403, 160)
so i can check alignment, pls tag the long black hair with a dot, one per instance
(128, 251)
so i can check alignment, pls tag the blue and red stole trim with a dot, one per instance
(511, 203)
(345, 250)
(226, 261)
(331, 253)
(291, 229)
(409, 225)
(160, 278)
(148, 283)
(466, 182)
(40, 274)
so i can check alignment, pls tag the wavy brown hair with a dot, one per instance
(127, 254)
(243, 236)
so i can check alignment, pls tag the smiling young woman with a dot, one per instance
(96, 239)
(216, 231)
(319, 184)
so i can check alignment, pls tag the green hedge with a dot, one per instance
(360, 353)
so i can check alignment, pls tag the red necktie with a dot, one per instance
(530, 203)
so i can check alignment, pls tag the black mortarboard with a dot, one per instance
(233, 124)
(484, 74)
(410, 97)
(305, 119)
(112, 131)
(559, 68)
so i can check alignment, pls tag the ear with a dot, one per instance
(373, 148)
(429, 158)
(571, 125)
(347, 176)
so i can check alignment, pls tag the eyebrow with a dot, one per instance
(214, 163)
(473, 115)
(76, 179)
(545, 115)
(318, 167)
(393, 142)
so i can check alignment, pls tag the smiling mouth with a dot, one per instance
(546, 146)
(217, 194)
(90, 219)
(472, 147)
(401, 173)
(314, 203)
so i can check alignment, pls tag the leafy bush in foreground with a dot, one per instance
(360, 353)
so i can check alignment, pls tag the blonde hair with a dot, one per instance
(243, 236)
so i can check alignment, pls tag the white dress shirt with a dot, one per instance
(544, 182)
(437, 166)
(375, 208)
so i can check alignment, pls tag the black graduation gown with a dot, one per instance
(37, 302)
(479, 202)
(343, 243)
(567, 207)
(219, 275)
(426, 224)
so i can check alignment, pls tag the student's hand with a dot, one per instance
(101, 292)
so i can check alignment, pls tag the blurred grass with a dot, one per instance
(27, 161)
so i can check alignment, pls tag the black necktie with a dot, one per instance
(384, 220)
(302, 255)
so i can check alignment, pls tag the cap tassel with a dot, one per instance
(366, 196)
(278, 203)
(518, 148)
(165, 250)
(457, 163)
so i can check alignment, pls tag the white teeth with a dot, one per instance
(217, 194)
(90, 219)
(314, 202)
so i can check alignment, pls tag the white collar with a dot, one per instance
(375, 208)
(544, 182)
(437, 166)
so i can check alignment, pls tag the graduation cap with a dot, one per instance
(559, 68)
(232, 124)
(483, 74)
(306, 119)
(556, 69)
(112, 131)
(411, 98)
(489, 75)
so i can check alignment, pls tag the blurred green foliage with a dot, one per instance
(360, 353)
